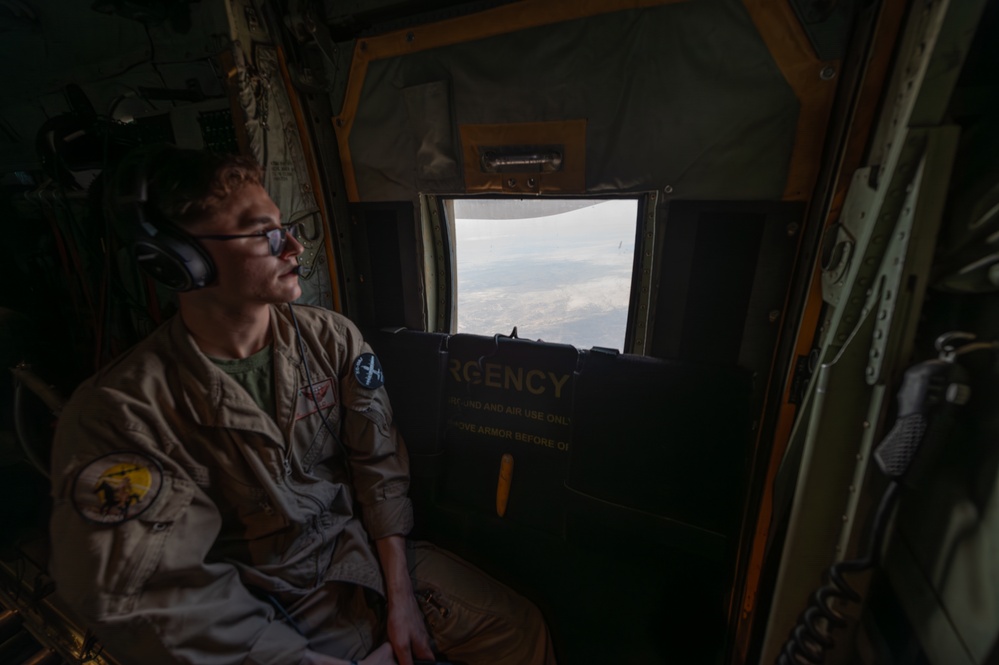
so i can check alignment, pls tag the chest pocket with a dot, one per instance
(311, 410)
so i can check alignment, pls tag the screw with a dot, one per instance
(511, 182)
(827, 73)
(532, 183)
(668, 189)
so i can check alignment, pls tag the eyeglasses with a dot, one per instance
(277, 238)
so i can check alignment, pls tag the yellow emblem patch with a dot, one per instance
(117, 487)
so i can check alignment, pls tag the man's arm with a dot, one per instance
(141, 579)
(379, 466)
(406, 628)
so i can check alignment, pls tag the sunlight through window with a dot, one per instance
(560, 270)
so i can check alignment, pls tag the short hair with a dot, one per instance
(188, 186)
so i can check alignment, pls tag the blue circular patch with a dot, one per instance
(368, 371)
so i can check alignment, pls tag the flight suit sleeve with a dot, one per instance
(132, 563)
(376, 453)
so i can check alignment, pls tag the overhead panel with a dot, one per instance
(717, 99)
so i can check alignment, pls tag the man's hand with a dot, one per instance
(407, 631)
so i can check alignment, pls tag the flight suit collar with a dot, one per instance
(214, 399)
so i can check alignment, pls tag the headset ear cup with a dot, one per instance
(174, 260)
(162, 250)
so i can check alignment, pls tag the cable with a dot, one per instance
(26, 379)
(308, 378)
(483, 358)
(927, 398)
(812, 636)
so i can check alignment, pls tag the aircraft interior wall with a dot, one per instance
(640, 471)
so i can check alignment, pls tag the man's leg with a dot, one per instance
(339, 620)
(473, 619)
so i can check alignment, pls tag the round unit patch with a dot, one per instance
(116, 487)
(368, 371)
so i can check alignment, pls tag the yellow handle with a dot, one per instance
(503, 485)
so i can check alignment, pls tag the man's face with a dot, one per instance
(246, 271)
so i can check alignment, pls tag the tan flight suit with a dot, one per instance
(189, 526)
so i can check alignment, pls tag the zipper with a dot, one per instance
(428, 597)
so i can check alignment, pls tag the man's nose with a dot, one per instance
(292, 246)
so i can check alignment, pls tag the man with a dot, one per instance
(266, 508)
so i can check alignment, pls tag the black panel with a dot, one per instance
(665, 438)
(414, 364)
(724, 260)
(386, 253)
(508, 396)
(722, 278)
(616, 582)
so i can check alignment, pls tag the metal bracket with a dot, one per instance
(844, 282)
(906, 264)
(314, 37)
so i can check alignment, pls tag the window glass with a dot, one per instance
(558, 269)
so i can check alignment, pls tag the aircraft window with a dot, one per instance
(560, 270)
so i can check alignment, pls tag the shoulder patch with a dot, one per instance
(117, 487)
(368, 371)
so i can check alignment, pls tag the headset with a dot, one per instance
(167, 254)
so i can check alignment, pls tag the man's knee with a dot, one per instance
(473, 617)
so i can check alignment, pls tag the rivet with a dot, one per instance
(668, 189)
(827, 73)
